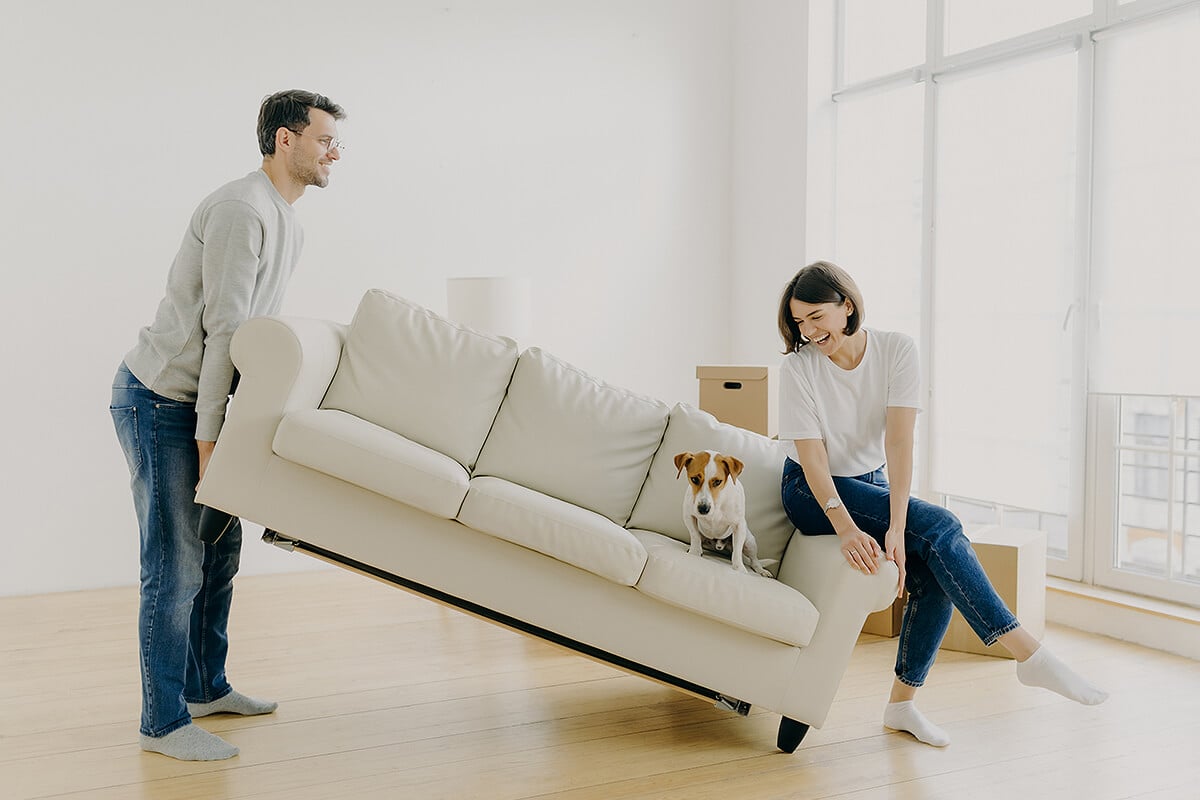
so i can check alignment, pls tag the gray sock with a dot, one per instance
(190, 743)
(233, 703)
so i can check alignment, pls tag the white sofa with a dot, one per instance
(516, 487)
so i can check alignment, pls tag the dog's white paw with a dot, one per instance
(695, 551)
(766, 573)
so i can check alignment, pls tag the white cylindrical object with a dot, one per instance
(496, 305)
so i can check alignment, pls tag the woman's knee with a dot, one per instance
(933, 521)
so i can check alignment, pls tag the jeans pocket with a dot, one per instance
(173, 426)
(125, 420)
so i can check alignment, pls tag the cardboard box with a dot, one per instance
(745, 396)
(886, 622)
(1015, 561)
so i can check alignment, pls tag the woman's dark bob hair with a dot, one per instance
(819, 282)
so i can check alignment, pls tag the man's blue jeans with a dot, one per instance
(943, 572)
(186, 585)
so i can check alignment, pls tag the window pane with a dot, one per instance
(882, 37)
(1021, 518)
(1191, 428)
(877, 229)
(1144, 475)
(1158, 530)
(1057, 533)
(974, 23)
(1142, 540)
(972, 513)
(1142, 532)
(1003, 283)
(1146, 421)
(1191, 520)
(1146, 240)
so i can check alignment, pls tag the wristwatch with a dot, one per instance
(832, 503)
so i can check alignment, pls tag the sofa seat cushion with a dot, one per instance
(554, 528)
(428, 379)
(708, 586)
(660, 505)
(364, 454)
(569, 435)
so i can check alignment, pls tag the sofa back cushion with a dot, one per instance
(566, 434)
(430, 380)
(660, 506)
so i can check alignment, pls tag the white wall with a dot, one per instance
(769, 139)
(586, 145)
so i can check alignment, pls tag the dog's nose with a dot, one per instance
(703, 508)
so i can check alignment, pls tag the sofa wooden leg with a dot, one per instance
(791, 733)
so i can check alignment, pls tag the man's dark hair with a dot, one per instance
(290, 110)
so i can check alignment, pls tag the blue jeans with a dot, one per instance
(942, 570)
(186, 585)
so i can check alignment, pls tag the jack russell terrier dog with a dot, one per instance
(714, 508)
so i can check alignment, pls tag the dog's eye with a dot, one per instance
(716, 482)
(696, 479)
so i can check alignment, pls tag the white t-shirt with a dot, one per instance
(847, 409)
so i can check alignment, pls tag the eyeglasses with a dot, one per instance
(328, 142)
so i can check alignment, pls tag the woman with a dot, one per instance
(849, 398)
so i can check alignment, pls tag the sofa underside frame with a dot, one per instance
(291, 544)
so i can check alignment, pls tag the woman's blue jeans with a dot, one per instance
(942, 570)
(186, 585)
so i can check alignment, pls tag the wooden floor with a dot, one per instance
(386, 695)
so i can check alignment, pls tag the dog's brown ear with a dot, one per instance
(681, 461)
(733, 467)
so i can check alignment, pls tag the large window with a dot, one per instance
(1017, 186)
(1005, 208)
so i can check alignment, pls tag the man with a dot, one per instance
(168, 405)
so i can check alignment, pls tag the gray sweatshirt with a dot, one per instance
(234, 263)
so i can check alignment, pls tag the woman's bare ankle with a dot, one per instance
(901, 692)
(1020, 643)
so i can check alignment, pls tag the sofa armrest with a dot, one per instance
(815, 567)
(295, 355)
(285, 363)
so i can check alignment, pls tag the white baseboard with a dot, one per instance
(1132, 618)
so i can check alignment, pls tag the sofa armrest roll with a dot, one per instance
(285, 364)
(814, 566)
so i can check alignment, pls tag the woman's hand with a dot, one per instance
(893, 547)
(860, 550)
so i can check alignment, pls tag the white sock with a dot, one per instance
(233, 703)
(1045, 670)
(190, 743)
(905, 717)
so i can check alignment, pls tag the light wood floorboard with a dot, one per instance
(387, 695)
